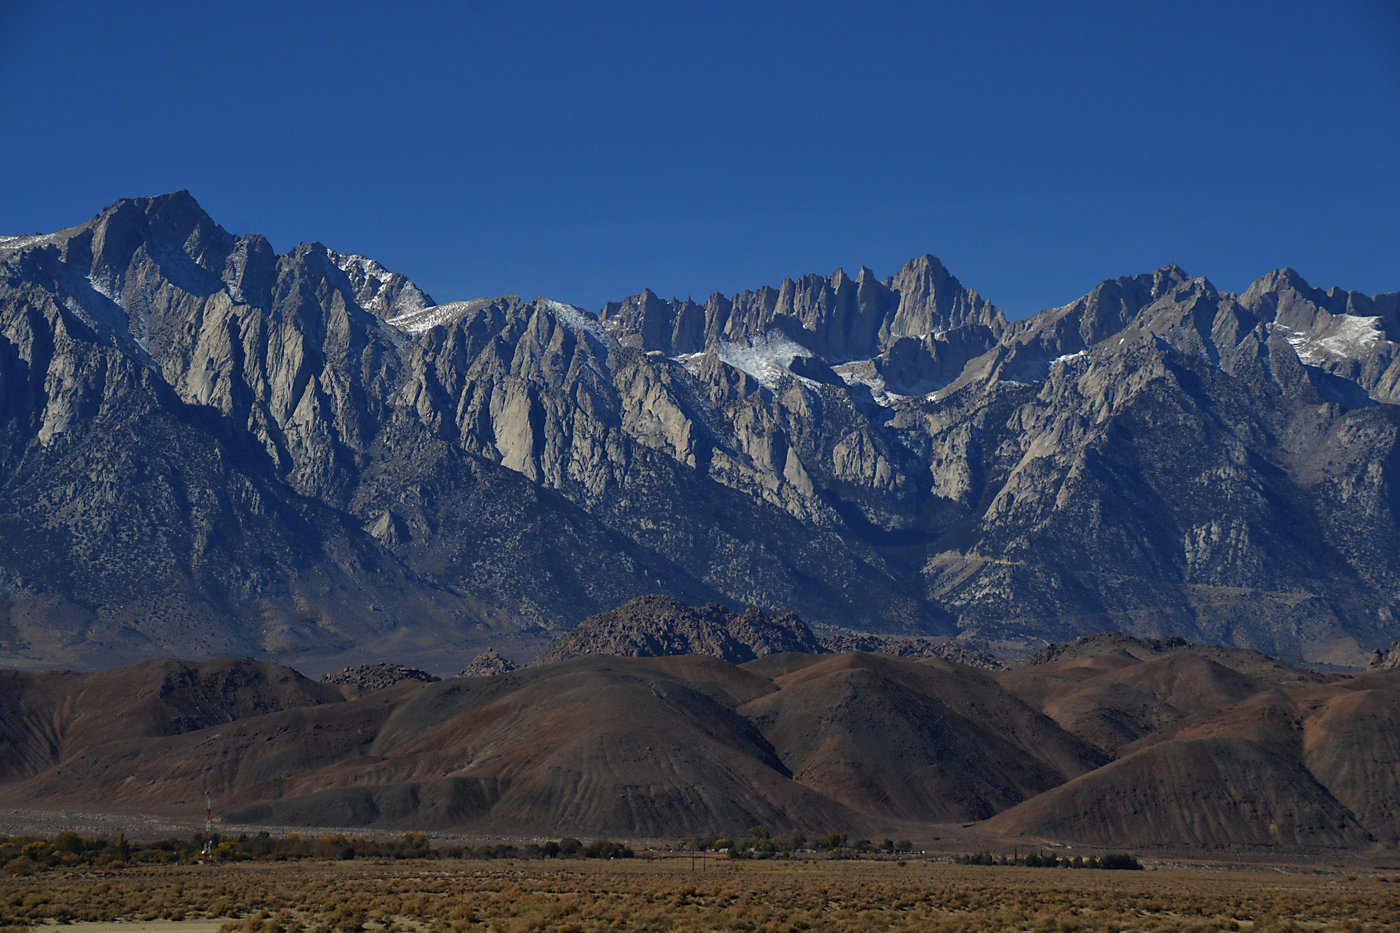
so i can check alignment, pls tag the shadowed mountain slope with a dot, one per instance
(921, 740)
(1351, 742)
(1113, 690)
(1210, 756)
(1210, 793)
(49, 718)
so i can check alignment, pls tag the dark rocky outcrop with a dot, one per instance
(659, 626)
(367, 678)
(488, 664)
(910, 647)
(1385, 659)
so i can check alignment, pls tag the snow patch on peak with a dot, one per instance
(23, 242)
(423, 319)
(767, 357)
(1069, 357)
(863, 372)
(1345, 336)
(583, 324)
(105, 287)
(371, 280)
(355, 265)
(576, 319)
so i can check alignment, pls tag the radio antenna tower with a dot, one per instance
(208, 854)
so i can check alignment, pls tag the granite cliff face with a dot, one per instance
(210, 447)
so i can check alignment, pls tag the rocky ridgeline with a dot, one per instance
(914, 326)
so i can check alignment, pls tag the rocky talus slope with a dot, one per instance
(208, 447)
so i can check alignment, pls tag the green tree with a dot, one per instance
(68, 842)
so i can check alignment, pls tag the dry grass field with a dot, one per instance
(681, 894)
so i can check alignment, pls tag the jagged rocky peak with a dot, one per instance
(174, 218)
(1284, 295)
(175, 214)
(932, 300)
(646, 322)
(170, 230)
(1166, 279)
(836, 317)
(1349, 342)
(1130, 313)
(1111, 306)
(1285, 278)
(174, 234)
(540, 319)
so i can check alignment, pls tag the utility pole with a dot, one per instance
(208, 855)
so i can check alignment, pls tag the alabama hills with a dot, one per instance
(210, 448)
(1110, 741)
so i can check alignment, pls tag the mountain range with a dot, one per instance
(1108, 741)
(210, 448)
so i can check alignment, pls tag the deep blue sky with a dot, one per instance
(586, 150)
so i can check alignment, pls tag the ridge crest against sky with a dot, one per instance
(587, 151)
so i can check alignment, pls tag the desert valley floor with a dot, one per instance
(682, 894)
